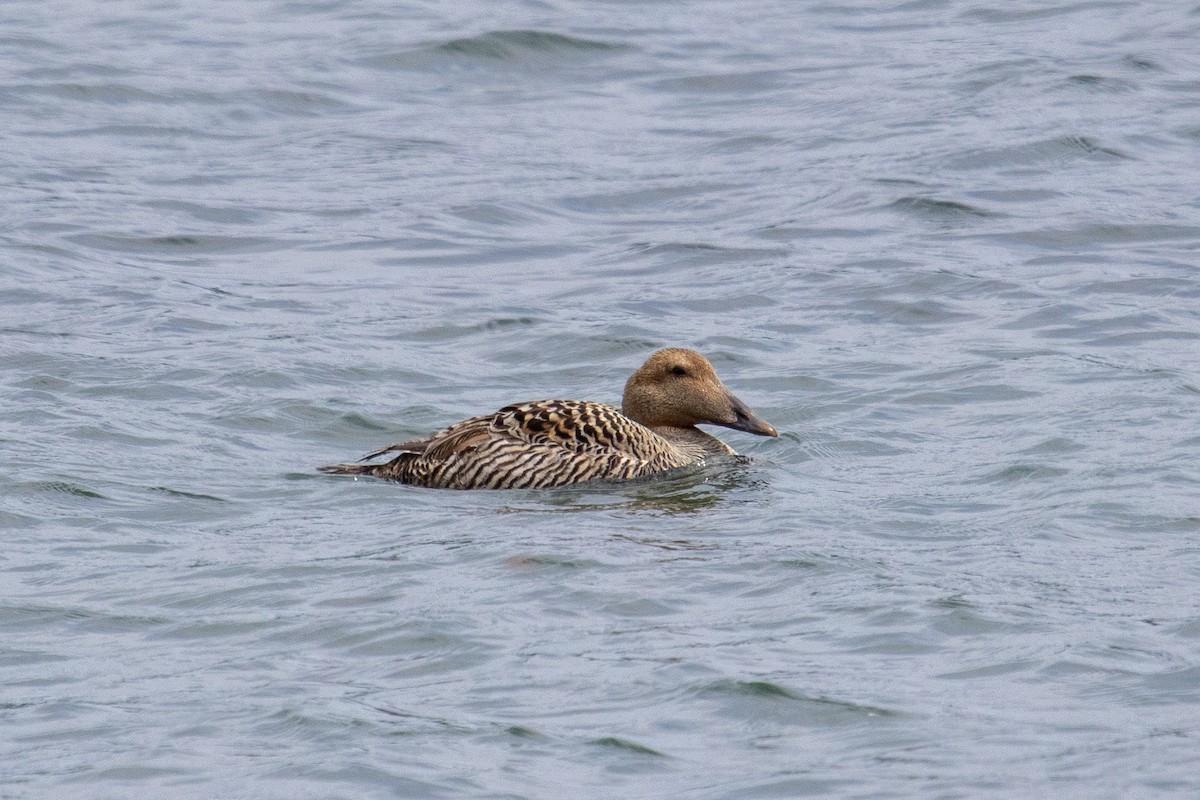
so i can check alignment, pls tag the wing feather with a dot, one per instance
(541, 443)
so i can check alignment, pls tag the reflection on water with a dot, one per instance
(682, 491)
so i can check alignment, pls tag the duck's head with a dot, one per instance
(678, 388)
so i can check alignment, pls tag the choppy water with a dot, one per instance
(950, 249)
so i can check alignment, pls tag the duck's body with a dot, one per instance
(549, 443)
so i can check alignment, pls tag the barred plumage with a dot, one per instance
(549, 443)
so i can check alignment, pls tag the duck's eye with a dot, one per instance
(678, 370)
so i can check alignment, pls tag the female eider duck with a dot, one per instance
(558, 442)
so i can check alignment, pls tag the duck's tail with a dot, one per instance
(385, 469)
(350, 469)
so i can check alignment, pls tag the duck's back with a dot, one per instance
(531, 445)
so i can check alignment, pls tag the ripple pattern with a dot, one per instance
(948, 249)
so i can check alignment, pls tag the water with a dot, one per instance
(948, 248)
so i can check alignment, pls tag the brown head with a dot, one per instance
(678, 388)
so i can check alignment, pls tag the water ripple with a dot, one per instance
(948, 249)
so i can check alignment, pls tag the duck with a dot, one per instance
(547, 443)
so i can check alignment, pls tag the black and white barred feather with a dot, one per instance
(537, 445)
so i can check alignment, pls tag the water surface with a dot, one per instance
(948, 248)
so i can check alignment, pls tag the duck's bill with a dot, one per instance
(746, 420)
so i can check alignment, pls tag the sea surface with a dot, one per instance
(950, 248)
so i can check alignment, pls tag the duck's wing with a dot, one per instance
(580, 427)
(574, 425)
(538, 444)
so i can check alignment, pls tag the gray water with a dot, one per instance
(949, 249)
